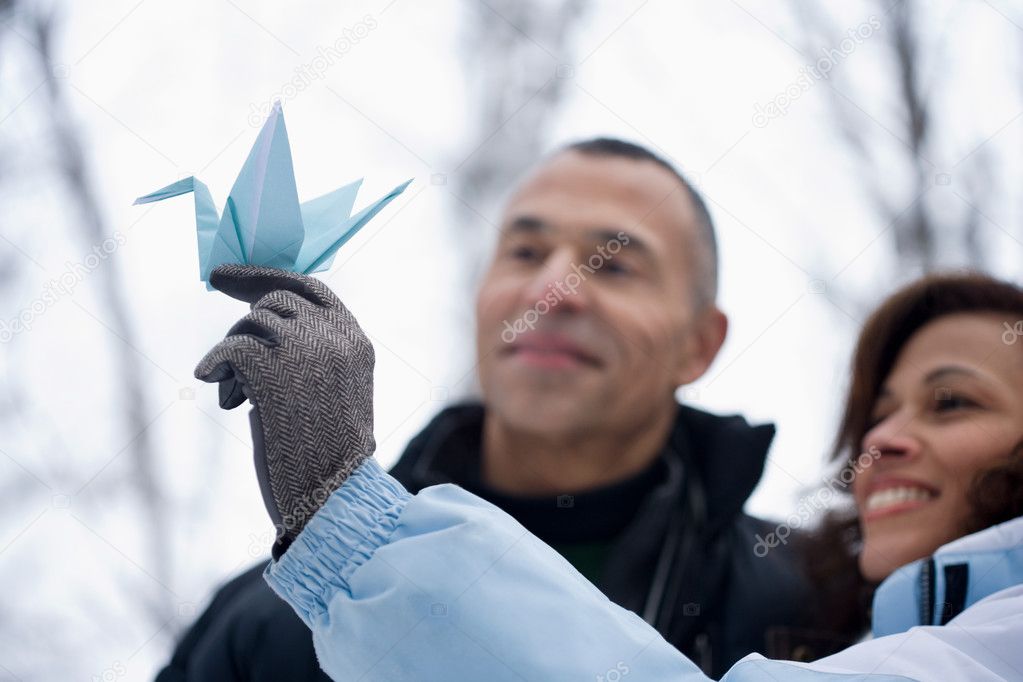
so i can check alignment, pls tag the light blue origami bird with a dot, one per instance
(263, 222)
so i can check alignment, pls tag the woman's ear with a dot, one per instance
(704, 341)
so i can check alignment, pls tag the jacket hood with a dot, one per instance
(726, 452)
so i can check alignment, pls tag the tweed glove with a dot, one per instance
(304, 363)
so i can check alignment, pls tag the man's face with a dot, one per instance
(585, 318)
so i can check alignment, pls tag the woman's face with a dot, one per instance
(951, 407)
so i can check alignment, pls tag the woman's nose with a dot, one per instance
(892, 437)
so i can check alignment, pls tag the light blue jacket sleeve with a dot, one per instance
(445, 586)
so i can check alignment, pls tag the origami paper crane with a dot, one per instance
(263, 222)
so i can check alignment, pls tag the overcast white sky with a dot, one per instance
(165, 90)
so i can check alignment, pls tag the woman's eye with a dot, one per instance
(949, 402)
(874, 421)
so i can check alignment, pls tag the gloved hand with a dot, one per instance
(305, 364)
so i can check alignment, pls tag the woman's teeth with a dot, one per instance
(893, 496)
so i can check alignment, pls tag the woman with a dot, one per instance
(445, 586)
(929, 422)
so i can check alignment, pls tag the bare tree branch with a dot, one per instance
(518, 66)
(923, 230)
(73, 167)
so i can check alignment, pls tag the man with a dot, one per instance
(599, 303)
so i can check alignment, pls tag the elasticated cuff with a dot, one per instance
(357, 518)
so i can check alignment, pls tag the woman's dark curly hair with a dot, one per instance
(996, 494)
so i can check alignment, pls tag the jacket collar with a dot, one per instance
(725, 452)
(933, 591)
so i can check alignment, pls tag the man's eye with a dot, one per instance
(613, 268)
(525, 253)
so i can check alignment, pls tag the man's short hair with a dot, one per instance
(704, 260)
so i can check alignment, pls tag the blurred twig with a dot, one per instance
(923, 233)
(518, 62)
(73, 168)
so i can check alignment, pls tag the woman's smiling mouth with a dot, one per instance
(896, 496)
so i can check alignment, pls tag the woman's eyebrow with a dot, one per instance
(943, 372)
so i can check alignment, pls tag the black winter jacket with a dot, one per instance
(685, 562)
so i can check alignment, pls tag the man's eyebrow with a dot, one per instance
(528, 223)
(532, 225)
(625, 239)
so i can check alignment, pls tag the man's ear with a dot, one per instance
(704, 340)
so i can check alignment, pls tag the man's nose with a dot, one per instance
(559, 282)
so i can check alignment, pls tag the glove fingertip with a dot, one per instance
(212, 371)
